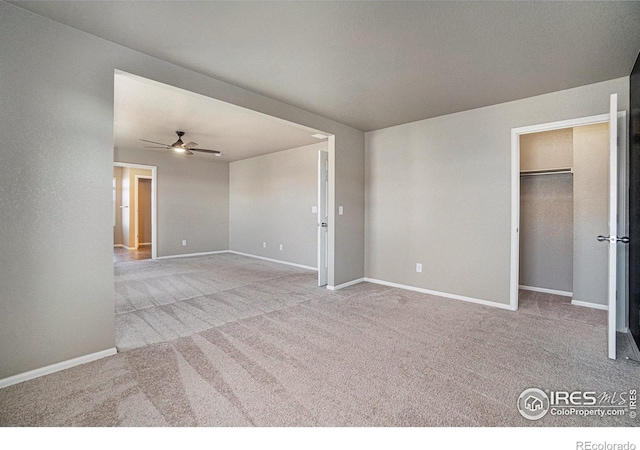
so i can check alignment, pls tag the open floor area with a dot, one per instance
(226, 340)
(121, 254)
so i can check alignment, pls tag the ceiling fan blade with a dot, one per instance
(187, 152)
(153, 142)
(204, 150)
(190, 144)
(146, 146)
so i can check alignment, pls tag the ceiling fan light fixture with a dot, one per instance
(178, 149)
(178, 144)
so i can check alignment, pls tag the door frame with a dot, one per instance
(136, 196)
(323, 214)
(623, 225)
(154, 201)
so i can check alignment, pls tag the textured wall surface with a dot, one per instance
(56, 299)
(270, 200)
(546, 231)
(438, 192)
(193, 200)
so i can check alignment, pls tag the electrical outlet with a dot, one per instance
(184, 242)
(264, 245)
(281, 247)
(418, 267)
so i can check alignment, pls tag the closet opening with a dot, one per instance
(564, 182)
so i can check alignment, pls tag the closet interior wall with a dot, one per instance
(561, 214)
(546, 211)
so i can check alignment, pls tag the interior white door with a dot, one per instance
(613, 222)
(323, 217)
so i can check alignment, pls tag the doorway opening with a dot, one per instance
(563, 205)
(134, 204)
(569, 188)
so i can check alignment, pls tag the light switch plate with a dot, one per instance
(340, 210)
(418, 267)
(314, 209)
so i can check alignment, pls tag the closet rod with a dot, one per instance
(526, 173)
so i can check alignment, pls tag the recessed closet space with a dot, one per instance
(563, 207)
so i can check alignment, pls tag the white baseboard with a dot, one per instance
(187, 255)
(344, 285)
(589, 305)
(15, 379)
(441, 294)
(274, 260)
(546, 291)
(122, 246)
(144, 243)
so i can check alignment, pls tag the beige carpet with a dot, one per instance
(232, 341)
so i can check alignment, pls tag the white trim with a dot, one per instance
(515, 219)
(546, 291)
(144, 243)
(273, 260)
(187, 255)
(154, 202)
(322, 215)
(347, 284)
(15, 379)
(613, 225)
(441, 294)
(589, 305)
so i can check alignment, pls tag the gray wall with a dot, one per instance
(546, 231)
(193, 200)
(270, 200)
(57, 96)
(546, 150)
(546, 211)
(439, 192)
(591, 212)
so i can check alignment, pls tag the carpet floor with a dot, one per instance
(227, 340)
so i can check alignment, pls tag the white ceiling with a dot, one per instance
(375, 64)
(146, 109)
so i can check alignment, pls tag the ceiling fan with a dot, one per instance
(181, 147)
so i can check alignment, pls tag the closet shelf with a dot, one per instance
(526, 173)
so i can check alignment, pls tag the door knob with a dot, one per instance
(324, 224)
(624, 239)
